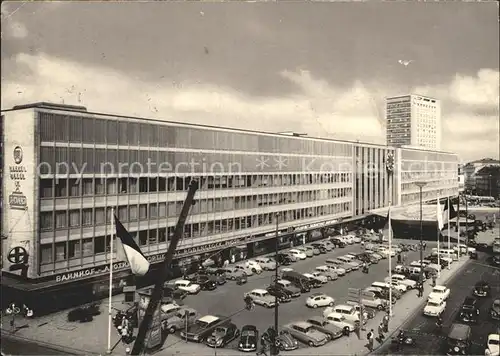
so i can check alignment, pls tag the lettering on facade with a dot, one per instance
(17, 200)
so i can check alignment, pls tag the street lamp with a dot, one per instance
(274, 349)
(489, 183)
(420, 185)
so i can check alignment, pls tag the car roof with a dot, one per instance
(208, 319)
(494, 337)
(258, 290)
(181, 281)
(249, 327)
(317, 294)
(302, 324)
(336, 315)
(316, 318)
(344, 306)
(470, 300)
(439, 288)
(459, 332)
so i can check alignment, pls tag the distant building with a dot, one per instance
(471, 169)
(487, 181)
(461, 178)
(413, 120)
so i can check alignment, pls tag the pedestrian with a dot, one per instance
(434, 278)
(226, 263)
(370, 336)
(381, 332)
(399, 258)
(385, 321)
(425, 245)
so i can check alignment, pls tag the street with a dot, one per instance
(429, 341)
(16, 346)
(228, 299)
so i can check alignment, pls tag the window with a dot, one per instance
(46, 221)
(87, 247)
(61, 219)
(86, 217)
(153, 211)
(46, 190)
(75, 250)
(87, 186)
(162, 209)
(74, 218)
(61, 188)
(122, 213)
(99, 244)
(99, 216)
(143, 211)
(99, 187)
(132, 213)
(60, 251)
(46, 254)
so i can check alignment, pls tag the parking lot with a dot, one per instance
(227, 300)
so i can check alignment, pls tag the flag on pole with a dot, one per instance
(137, 261)
(452, 214)
(440, 217)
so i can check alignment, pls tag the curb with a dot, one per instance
(411, 315)
(66, 350)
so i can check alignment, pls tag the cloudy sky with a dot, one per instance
(317, 68)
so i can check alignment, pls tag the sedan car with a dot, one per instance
(340, 264)
(434, 307)
(316, 275)
(307, 334)
(469, 312)
(247, 270)
(233, 273)
(279, 292)
(184, 317)
(309, 252)
(249, 338)
(217, 274)
(284, 259)
(325, 327)
(495, 310)
(188, 286)
(289, 287)
(261, 297)
(319, 246)
(299, 254)
(493, 345)
(266, 263)
(330, 275)
(481, 289)
(403, 280)
(333, 268)
(439, 292)
(286, 341)
(341, 322)
(319, 300)
(254, 266)
(223, 335)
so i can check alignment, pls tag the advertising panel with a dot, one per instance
(19, 168)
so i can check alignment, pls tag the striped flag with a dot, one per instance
(439, 214)
(137, 261)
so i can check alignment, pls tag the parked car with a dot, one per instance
(284, 259)
(203, 327)
(482, 289)
(329, 274)
(439, 292)
(341, 322)
(180, 320)
(320, 324)
(319, 300)
(396, 293)
(267, 264)
(233, 273)
(367, 313)
(261, 297)
(398, 286)
(493, 345)
(306, 333)
(328, 245)
(171, 290)
(309, 252)
(249, 338)
(469, 312)
(286, 342)
(403, 280)
(348, 311)
(188, 286)
(319, 246)
(223, 335)
(254, 266)
(313, 281)
(246, 269)
(434, 307)
(458, 342)
(218, 275)
(495, 309)
(289, 287)
(206, 283)
(340, 264)
(318, 276)
(279, 292)
(299, 254)
(338, 242)
(334, 268)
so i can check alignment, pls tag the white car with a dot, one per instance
(187, 286)
(318, 275)
(356, 239)
(493, 345)
(398, 286)
(328, 273)
(286, 269)
(340, 271)
(267, 264)
(341, 322)
(410, 284)
(394, 285)
(244, 268)
(439, 293)
(434, 307)
(254, 266)
(298, 254)
(319, 300)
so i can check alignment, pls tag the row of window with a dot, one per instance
(419, 175)
(81, 129)
(428, 156)
(62, 251)
(100, 216)
(405, 187)
(429, 195)
(101, 186)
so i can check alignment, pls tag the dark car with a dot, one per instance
(205, 282)
(320, 247)
(495, 260)
(436, 260)
(458, 342)
(217, 274)
(338, 242)
(286, 342)
(495, 310)
(469, 312)
(481, 289)
(279, 292)
(283, 259)
(249, 338)
(204, 327)
(171, 290)
(223, 335)
(364, 257)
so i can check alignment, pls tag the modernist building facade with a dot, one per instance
(68, 170)
(413, 120)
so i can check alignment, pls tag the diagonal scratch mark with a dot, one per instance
(16, 10)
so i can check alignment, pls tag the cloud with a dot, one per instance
(316, 107)
(12, 28)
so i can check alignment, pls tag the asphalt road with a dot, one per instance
(228, 299)
(429, 341)
(14, 346)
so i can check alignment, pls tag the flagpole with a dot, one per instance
(390, 259)
(449, 232)
(110, 304)
(458, 226)
(439, 236)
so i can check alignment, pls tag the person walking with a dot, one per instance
(385, 321)
(381, 332)
(370, 336)
(425, 245)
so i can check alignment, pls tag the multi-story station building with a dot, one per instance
(67, 170)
